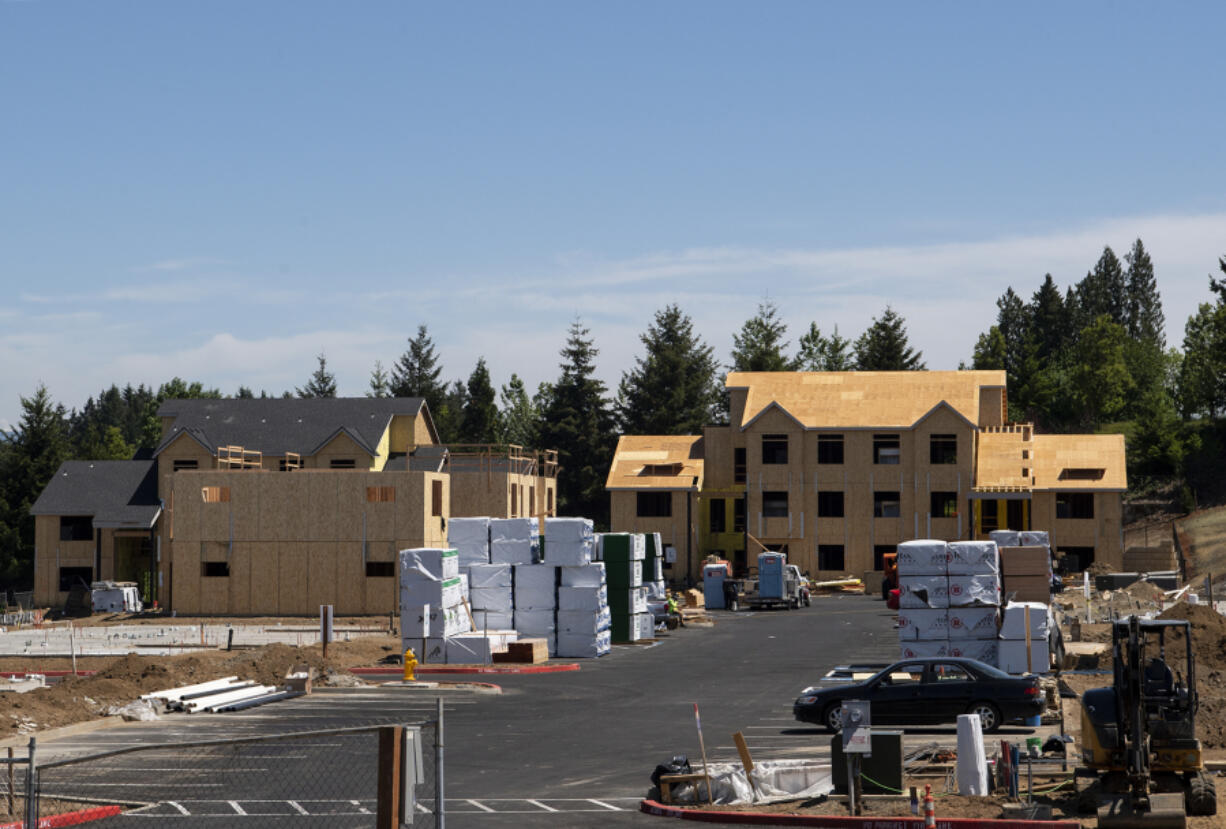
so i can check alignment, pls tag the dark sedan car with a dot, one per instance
(926, 691)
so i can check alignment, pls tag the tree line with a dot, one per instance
(1092, 357)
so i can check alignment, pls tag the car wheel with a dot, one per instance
(808, 601)
(832, 717)
(989, 715)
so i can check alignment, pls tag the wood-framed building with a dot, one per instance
(836, 468)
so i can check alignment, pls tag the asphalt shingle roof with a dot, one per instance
(275, 426)
(115, 493)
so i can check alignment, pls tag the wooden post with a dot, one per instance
(703, 747)
(388, 809)
(746, 760)
(10, 780)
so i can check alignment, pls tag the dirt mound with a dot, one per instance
(123, 679)
(1209, 648)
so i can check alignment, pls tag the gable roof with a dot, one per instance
(657, 462)
(115, 493)
(275, 426)
(861, 399)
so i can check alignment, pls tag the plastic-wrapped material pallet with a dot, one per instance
(923, 557)
(470, 538)
(984, 650)
(486, 576)
(429, 562)
(646, 623)
(416, 622)
(626, 601)
(923, 591)
(488, 620)
(495, 599)
(624, 574)
(514, 540)
(536, 587)
(583, 598)
(581, 646)
(973, 558)
(1005, 538)
(622, 547)
(568, 530)
(535, 622)
(922, 624)
(974, 591)
(1033, 538)
(1013, 623)
(430, 650)
(588, 575)
(433, 593)
(653, 570)
(656, 590)
(1012, 659)
(583, 621)
(923, 649)
(473, 648)
(973, 623)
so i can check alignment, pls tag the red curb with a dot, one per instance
(69, 818)
(651, 807)
(469, 669)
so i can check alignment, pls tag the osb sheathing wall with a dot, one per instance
(624, 517)
(546, 496)
(1102, 532)
(341, 447)
(294, 541)
(52, 554)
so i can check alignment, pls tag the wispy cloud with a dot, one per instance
(181, 264)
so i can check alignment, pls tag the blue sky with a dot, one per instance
(222, 190)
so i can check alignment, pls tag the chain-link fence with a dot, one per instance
(341, 778)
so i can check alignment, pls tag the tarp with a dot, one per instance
(588, 575)
(923, 557)
(773, 780)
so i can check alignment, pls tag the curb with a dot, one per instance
(469, 669)
(69, 818)
(651, 807)
(474, 687)
(84, 727)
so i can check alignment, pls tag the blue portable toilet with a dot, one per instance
(713, 576)
(770, 575)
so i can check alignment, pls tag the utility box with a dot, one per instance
(883, 766)
(771, 575)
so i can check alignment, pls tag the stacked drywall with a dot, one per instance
(470, 538)
(949, 598)
(1023, 638)
(623, 554)
(536, 602)
(653, 566)
(514, 540)
(583, 619)
(491, 596)
(431, 601)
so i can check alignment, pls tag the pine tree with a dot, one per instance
(672, 389)
(884, 346)
(816, 352)
(479, 423)
(380, 385)
(244, 393)
(1100, 380)
(417, 373)
(1103, 291)
(578, 423)
(519, 416)
(760, 345)
(321, 384)
(1202, 376)
(1048, 320)
(1013, 321)
(35, 450)
(990, 351)
(1146, 322)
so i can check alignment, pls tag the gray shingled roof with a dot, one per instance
(115, 493)
(275, 426)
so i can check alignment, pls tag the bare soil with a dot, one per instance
(123, 679)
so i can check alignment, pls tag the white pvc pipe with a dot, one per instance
(251, 703)
(204, 703)
(173, 694)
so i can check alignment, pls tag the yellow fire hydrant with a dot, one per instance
(410, 664)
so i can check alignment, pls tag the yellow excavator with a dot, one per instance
(1139, 735)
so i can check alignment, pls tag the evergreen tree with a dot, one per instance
(1157, 447)
(578, 423)
(1101, 383)
(1013, 322)
(417, 373)
(1146, 321)
(816, 352)
(1048, 320)
(321, 384)
(672, 389)
(519, 416)
(1202, 377)
(1103, 291)
(884, 346)
(380, 384)
(760, 345)
(177, 388)
(449, 416)
(244, 393)
(479, 423)
(34, 451)
(990, 351)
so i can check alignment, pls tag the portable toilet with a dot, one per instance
(771, 575)
(713, 576)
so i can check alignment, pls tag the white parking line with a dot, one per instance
(479, 805)
(182, 811)
(606, 805)
(294, 805)
(238, 810)
(542, 805)
(361, 808)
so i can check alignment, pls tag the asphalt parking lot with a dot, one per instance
(562, 749)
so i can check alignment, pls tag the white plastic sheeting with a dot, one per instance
(974, 591)
(583, 598)
(1013, 625)
(972, 769)
(916, 592)
(973, 558)
(773, 780)
(588, 575)
(470, 538)
(482, 576)
(973, 623)
(434, 563)
(923, 557)
(536, 587)
(569, 542)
